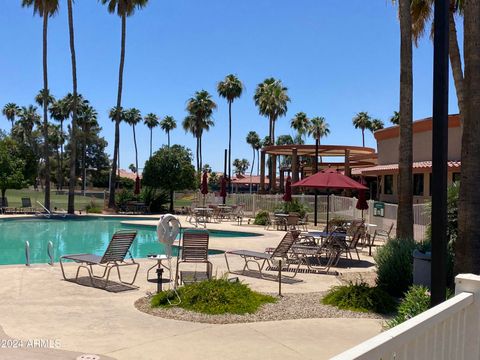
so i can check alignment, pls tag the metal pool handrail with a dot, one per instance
(27, 253)
(50, 252)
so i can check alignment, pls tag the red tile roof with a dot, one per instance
(420, 165)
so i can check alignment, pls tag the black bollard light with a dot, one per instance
(159, 279)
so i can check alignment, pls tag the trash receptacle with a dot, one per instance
(422, 267)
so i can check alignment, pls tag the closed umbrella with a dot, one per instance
(204, 186)
(223, 189)
(288, 190)
(329, 179)
(362, 201)
(137, 186)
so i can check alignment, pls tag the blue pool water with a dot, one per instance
(78, 235)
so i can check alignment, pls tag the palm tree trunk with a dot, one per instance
(116, 149)
(363, 137)
(200, 153)
(136, 149)
(229, 146)
(59, 169)
(61, 155)
(168, 137)
(258, 162)
(73, 133)
(45, 113)
(84, 161)
(467, 246)
(151, 133)
(456, 62)
(405, 191)
(251, 170)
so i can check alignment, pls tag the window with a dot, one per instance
(418, 184)
(388, 184)
(456, 177)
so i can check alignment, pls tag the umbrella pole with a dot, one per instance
(315, 212)
(328, 207)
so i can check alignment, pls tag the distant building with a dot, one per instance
(386, 172)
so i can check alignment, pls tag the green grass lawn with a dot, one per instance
(59, 201)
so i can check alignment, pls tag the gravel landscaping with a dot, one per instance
(290, 306)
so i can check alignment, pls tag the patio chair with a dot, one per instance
(281, 252)
(193, 250)
(114, 257)
(378, 233)
(27, 207)
(275, 222)
(5, 209)
(303, 223)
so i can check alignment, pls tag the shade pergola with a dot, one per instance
(329, 179)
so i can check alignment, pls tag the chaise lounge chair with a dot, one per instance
(114, 257)
(262, 258)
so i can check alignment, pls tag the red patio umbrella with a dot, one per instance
(288, 190)
(362, 201)
(223, 188)
(137, 186)
(204, 186)
(329, 179)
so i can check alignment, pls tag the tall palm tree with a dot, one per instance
(230, 88)
(362, 121)
(253, 140)
(377, 124)
(200, 108)
(168, 124)
(73, 127)
(132, 117)
(300, 123)
(10, 111)
(86, 120)
(318, 128)
(151, 120)
(59, 112)
(272, 99)
(257, 147)
(124, 9)
(395, 118)
(45, 9)
(405, 160)
(117, 115)
(422, 13)
(27, 118)
(467, 245)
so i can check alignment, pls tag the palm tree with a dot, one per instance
(86, 120)
(377, 124)
(28, 117)
(200, 108)
(318, 128)
(168, 124)
(271, 98)
(253, 140)
(40, 96)
(10, 111)
(466, 246)
(362, 121)
(46, 9)
(405, 161)
(73, 128)
(132, 118)
(123, 8)
(395, 118)
(59, 112)
(117, 115)
(300, 123)
(230, 88)
(422, 13)
(151, 120)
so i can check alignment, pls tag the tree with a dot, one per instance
(200, 108)
(362, 121)
(377, 124)
(28, 118)
(132, 168)
(151, 120)
(241, 166)
(132, 118)
(318, 128)
(405, 161)
(300, 123)
(271, 98)
(59, 112)
(10, 111)
(422, 12)
(86, 120)
(395, 118)
(206, 168)
(254, 141)
(73, 128)
(467, 245)
(170, 169)
(230, 88)
(124, 9)
(46, 9)
(168, 124)
(11, 166)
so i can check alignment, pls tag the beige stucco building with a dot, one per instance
(386, 171)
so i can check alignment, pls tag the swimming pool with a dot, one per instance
(77, 235)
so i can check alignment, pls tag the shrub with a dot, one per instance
(395, 266)
(93, 208)
(294, 206)
(154, 199)
(124, 196)
(126, 183)
(216, 296)
(416, 301)
(261, 218)
(360, 297)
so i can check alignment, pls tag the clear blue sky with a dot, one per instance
(336, 58)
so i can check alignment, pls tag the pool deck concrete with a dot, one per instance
(36, 303)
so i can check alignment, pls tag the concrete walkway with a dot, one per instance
(36, 303)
